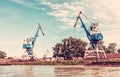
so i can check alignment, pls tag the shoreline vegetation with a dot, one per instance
(59, 62)
(69, 52)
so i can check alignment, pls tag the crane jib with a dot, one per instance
(41, 29)
(87, 32)
(91, 37)
(30, 42)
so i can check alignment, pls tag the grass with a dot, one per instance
(64, 62)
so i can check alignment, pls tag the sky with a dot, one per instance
(19, 18)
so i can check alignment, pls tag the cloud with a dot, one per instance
(7, 15)
(64, 12)
(97, 10)
(19, 1)
(29, 4)
(3, 21)
(106, 12)
(64, 27)
(112, 38)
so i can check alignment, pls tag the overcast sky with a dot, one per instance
(57, 17)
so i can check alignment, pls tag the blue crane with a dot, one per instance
(92, 34)
(93, 38)
(30, 43)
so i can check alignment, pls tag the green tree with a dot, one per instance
(111, 48)
(10, 58)
(69, 48)
(118, 50)
(2, 54)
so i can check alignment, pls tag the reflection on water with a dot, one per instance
(54, 71)
(68, 72)
(88, 71)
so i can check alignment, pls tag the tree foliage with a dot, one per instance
(72, 47)
(111, 48)
(69, 48)
(118, 50)
(2, 54)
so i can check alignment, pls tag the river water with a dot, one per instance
(54, 71)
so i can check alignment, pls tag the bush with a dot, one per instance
(118, 50)
(2, 54)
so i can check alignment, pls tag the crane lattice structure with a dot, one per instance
(94, 49)
(30, 43)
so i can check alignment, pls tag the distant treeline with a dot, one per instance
(72, 47)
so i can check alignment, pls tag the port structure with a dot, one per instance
(30, 43)
(94, 48)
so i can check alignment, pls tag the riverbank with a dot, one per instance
(113, 61)
(46, 62)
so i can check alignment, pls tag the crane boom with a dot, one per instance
(83, 25)
(77, 19)
(41, 29)
(86, 31)
(93, 38)
(36, 35)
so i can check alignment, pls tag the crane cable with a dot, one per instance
(88, 18)
(32, 30)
